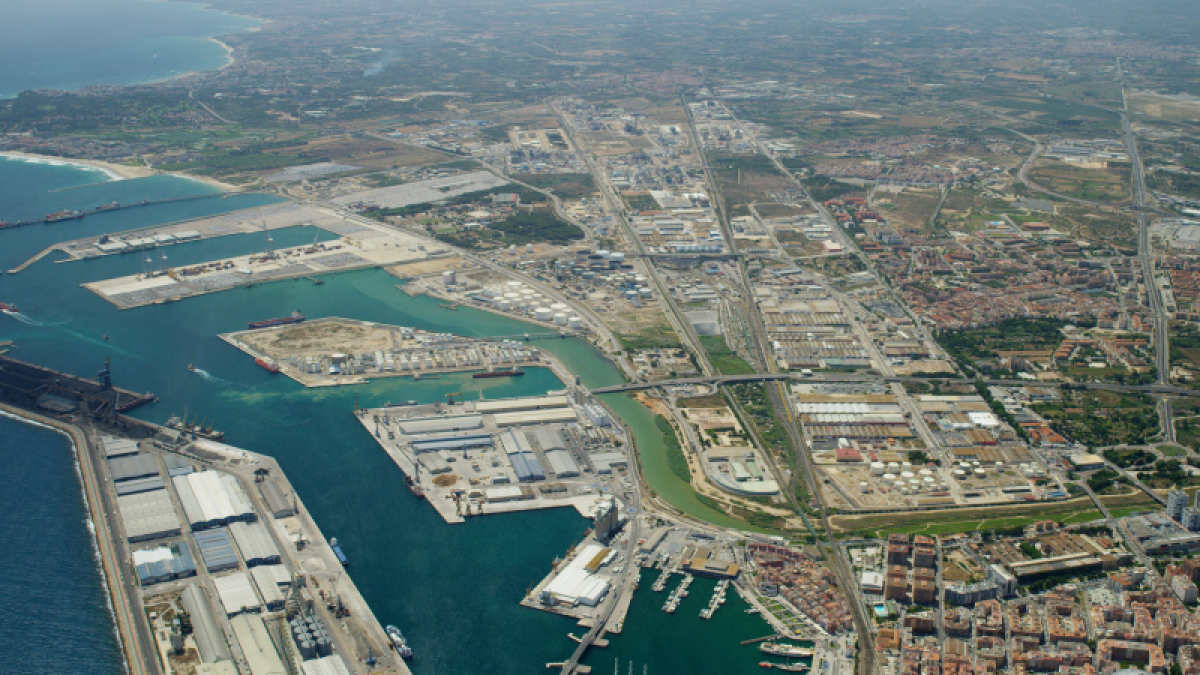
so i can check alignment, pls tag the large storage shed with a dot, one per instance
(132, 467)
(237, 593)
(148, 515)
(212, 499)
(562, 464)
(209, 640)
(255, 544)
(216, 549)
(165, 563)
(139, 485)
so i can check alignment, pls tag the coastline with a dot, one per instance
(109, 566)
(115, 172)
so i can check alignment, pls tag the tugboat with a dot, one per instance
(398, 641)
(192, 368)
(8, 309)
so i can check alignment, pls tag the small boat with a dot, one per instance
(8, 309)
(192, 368)
(106, 336)
(781, 649)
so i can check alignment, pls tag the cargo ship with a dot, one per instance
(268, 365)
(511, 372)
(182, 425)
(296, 317)
(415, 487)
(63, 215)
(337, 551)
(8, 309)
(398, 641)
(780, 649)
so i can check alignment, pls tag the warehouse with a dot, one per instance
(257, 648)
(177, 466)
(118, 447)
(211, 499)
(562, 464)
(132, 467)
(209, 640)
(277, 504)
(548, 439)
(237, 593)
(514, 404)
(164, 563)
(520, 453)
(148, 515)
(140, 485)
(434, 464)
(527, 417)
(575, 584)
(255, 544)
(603, 462)
(267, 579)
(451, 442)
(326, 665)
(216, 550)
(440, 424)
(511, 493)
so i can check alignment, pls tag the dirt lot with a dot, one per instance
(367, 152)
(319, 338)
(1101, 185)
(1165, 107)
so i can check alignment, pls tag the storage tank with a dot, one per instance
(926, 472)
(449, 278)
(543, 313)
(505, 304)
(907, 475)
(907, 466)
(893, 467)
(999, 466)
(980, 473)
(560, 319)
(877, 468)
(645, 293)
(307, 649)
(558, 307)
(513, 285)
(574, 323)
(863, 487)
(929, 480)
(959, 474)
(889, 478)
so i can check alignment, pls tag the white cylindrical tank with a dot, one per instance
(959, 474)
(877, 468)
(574, 323)
(907, 466)
(925, 472)
(505, 304)
(514, 285)
(999, 466)
(543, 313)
(449, 278)
(560, 319)
(894, 467)
(863, 487)
(889, 478)
(980, 473)
(907, 475)
(928, 480)
(558, 306)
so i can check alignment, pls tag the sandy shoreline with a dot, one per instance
(116, 171)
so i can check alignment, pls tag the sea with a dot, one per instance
(70, 44)
(453, 590)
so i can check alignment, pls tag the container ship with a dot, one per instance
(337, 551)
(8, 309)
(268, 365)
(296, 317)
(398, 641)
(780, 649)
(510, 372)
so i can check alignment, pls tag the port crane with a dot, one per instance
(450, 397)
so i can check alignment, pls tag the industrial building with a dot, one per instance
(520, 454)
(520, 404)
(255, 544)
(604, 462)
(576, 584)
(328, 665)
(258, 650)
(438, 443)
(216, 550)
(140, 485)
(270, 580)
(562, 465)
(148, 515)
(212, 499)
(118, 447)
(132, 467)
(236, 593)
(209, 640)
(441, 424)
(177, 466)
(163, 563)
(278, 505)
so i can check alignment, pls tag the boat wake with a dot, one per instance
(209, 377)
(25, 319)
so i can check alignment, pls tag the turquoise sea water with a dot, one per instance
(69, 44)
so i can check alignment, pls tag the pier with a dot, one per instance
(53, 392)
(63, 216)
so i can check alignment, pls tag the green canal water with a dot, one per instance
(452, 589)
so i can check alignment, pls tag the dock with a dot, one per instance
(52, 392)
